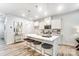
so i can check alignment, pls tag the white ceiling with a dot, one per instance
(21, 9)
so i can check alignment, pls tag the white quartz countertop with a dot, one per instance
(43, 38)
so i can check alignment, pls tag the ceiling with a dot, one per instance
(32, 11)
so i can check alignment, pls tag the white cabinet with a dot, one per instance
(18, 32)
(56, 24)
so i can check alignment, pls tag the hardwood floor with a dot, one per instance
(68, 50)
(18, 49)
(21, 49)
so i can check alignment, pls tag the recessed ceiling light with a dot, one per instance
(29, 10)
(36, 6)
(23, 15)
(45, 13)
(36, 23)
(36, 16)
(60, 7)
(77, 5)
(39, 9)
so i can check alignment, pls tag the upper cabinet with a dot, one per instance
(45, 21)
(56, 24)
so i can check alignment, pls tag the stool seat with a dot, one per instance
(47, 46)
(29, 40)
(36, 43)
(77, 39)
(25, 39)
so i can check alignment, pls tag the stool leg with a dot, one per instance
(52, 50)
(42, 52)
(34, 50)
(27, 44)
(28, 48)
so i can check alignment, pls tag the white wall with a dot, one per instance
(1, 29)
(9, 32)
(2, 18)
(28, 27)
(69, 21)
(56, 23)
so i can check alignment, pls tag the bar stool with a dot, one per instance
(32, 52)
(25, 39)
(37, 45)
(47, 49)
(77, 46)
(29, 43)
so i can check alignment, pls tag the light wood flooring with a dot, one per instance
(18, 49)
(21, 49)
(68, 50)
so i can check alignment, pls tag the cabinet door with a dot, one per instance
(56, 24)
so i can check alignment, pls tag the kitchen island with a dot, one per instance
(54, 40)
